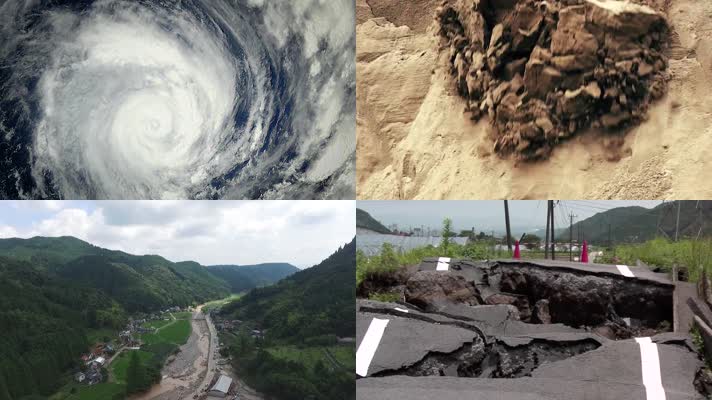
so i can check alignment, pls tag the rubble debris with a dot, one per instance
(496, 360)
(597, 301)
(426, 289)
(542, 70)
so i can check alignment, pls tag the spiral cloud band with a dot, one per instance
(177, 99)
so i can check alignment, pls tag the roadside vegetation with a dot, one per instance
(389, 260)
(694, 255)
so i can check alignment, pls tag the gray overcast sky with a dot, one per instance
(210, 232)
(486, 215)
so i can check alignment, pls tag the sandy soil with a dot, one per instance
(415, 142)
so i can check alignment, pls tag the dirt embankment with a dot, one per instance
(417, 140)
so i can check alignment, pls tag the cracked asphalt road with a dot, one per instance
(563, 362)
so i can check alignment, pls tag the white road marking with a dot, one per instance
(405, 310)
(625, 271)
(650, 361)
(369, 345)
(443, 264)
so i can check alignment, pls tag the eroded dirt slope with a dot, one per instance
(415, 141)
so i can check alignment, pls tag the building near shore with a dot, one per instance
(222, 387)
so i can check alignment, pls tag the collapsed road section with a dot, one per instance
(523, 330)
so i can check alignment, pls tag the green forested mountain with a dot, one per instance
(139, 283)
(638, 224)
(43, 319)
(245, 277)
(316, 301)
(302, 314)
(54, 290)
(366, 221)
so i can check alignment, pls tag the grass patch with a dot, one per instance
(345, 355)
(176, 332)
(100, 391)
(183, 315)
(157, 324)
(219, 303)
(121, 363)
(307, 356)
(390, 259)
(385, 297)
(695, 255)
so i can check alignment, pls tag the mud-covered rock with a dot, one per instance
(570, 56)
(541, 314)
(518, 301)
(426, 289)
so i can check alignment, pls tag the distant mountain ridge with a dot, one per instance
(139, 283)
(324, 293)
(364, 220)
(639, 224)
(245, 277)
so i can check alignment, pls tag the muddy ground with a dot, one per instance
(416, 141)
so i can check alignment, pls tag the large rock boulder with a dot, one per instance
(427, 289)
(581, 63)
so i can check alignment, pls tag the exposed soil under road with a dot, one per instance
(416, 142)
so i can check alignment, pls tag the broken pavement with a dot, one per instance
(449, 347)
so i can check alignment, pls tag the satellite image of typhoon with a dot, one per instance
(196, 99)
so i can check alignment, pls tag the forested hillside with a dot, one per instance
(302, 316)
(316, 301)
(245, 277)
(54, 291)
(638, 224)
(366, 221)
(44, 320)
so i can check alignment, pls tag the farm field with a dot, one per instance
(175, 332)
(309, 356)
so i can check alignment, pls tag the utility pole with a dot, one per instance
(553, 241)
(548, 219)
(677, 221)
(506, 221)
(571, 236)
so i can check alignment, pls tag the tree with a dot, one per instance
(447, 233)
(531, 241)
(135, 375)
(389, 260)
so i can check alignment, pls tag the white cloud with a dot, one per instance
(210, 232)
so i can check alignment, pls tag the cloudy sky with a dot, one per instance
(485, 215)
(210, 232)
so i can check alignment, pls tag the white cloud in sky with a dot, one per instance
(210, 232)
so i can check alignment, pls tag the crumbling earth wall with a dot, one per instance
(545, 69)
